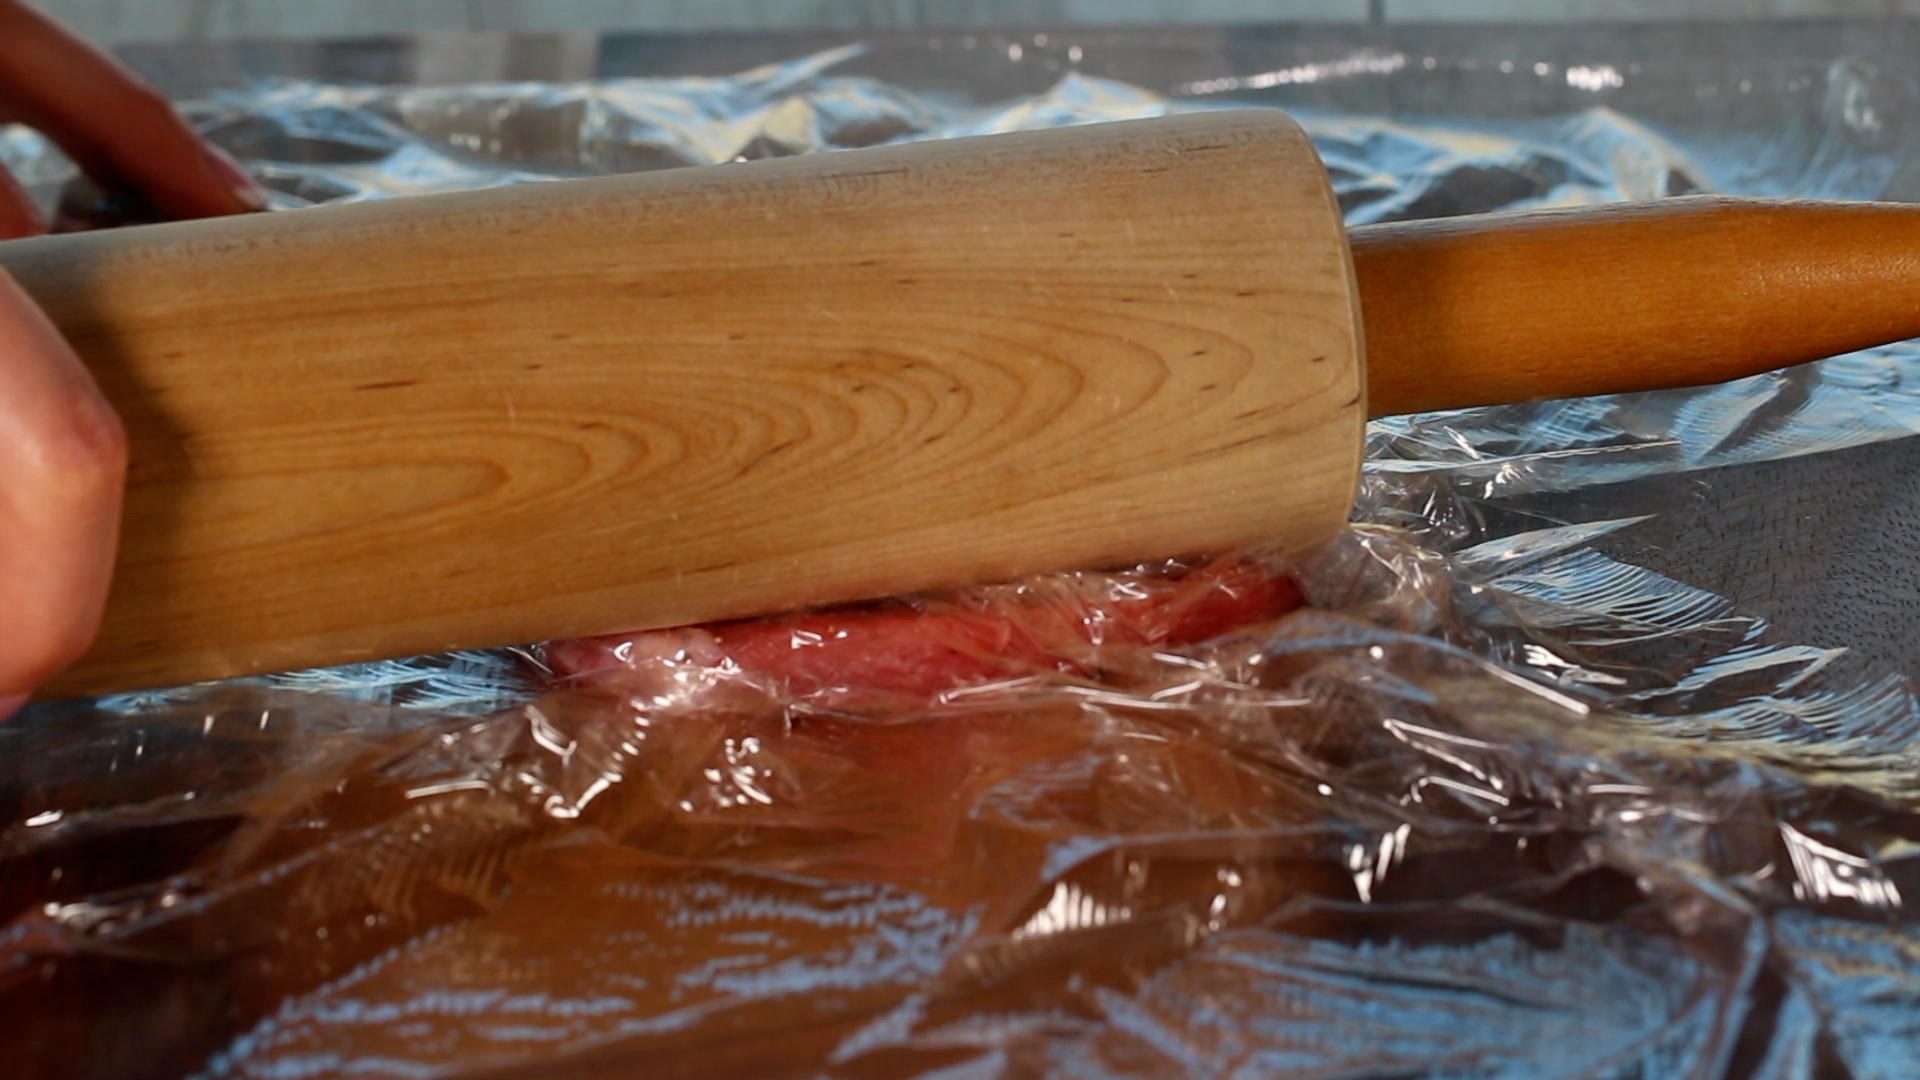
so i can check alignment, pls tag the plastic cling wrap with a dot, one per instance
(1329, 838)
(1464, 794)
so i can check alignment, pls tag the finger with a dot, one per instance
(63, 461)
(113, 125)
(18, 216)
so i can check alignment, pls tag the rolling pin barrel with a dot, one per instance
(552, 410)
(566, 409)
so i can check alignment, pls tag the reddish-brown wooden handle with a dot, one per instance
(1683, 292)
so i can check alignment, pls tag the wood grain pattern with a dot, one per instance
(470, 420)
(1682, 292)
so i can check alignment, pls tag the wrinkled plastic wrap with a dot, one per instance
(1490, 802)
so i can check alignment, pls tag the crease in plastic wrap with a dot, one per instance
(1444, 798)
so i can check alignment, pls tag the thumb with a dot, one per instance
(63, 457)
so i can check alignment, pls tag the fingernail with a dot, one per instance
(13, 704)
(230, 173)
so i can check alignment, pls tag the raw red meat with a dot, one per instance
(721, 850)
(1075, 624)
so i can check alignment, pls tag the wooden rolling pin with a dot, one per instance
(467, 420)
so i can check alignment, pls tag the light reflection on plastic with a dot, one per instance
(1540, 656)
(1618, 789)
(1370, 865)
(1070, 909)
(1827, 873)
(1571, 704)
(1217, 907)
(1595, 79)
(740, 771)
(450, 786)
(547, 735)
(1411, 734)
(1367, 62)
(84, 917)
(602, 783)
(1178, 691)
(1469, 790)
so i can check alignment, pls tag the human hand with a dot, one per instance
(63, 454)
(63, 460)
(120, 131)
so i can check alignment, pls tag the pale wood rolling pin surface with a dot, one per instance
(387, 429)
(566, 409)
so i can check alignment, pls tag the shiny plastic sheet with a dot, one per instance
(1339, 841)
(1494, 804)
